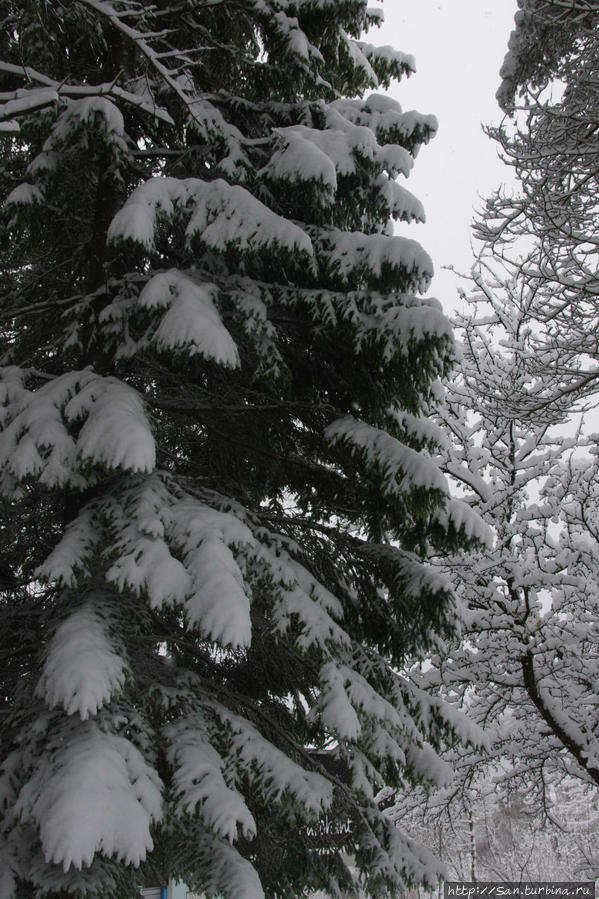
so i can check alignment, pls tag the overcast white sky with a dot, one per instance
(459, 46)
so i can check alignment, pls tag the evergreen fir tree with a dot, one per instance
(218, 484)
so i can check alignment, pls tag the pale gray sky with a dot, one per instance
(459, 46)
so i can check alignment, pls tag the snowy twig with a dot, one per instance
(78, 91)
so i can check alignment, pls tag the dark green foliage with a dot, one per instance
(218, 482)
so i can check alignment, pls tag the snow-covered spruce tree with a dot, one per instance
(217, 484)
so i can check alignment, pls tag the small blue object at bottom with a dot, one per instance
(163, 892)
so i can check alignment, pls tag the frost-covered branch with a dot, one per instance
(28, 98)
(526, 666)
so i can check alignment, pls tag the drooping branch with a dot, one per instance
(549, 716)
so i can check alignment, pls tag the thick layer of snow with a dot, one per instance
(25, 100)
(385, 117)
(464, 518)
(227, 872)
(352, 119)
(421, 428)
(217, 603)
(402, 204)
(24, 195)
(289, 29)
(360, 59)
(303, 600)
(98, 795)
(388, 54)
(82, 669)
(401, 467)
(311, 154)
(275, 770)
(425, 763)
(191, 321)
(351, 254)
(220, 215)
(307, 154)
(116, 431)
(334, 706)
(200, 785)
(39, 438)
(68, 559)
(88, 110)
(146, 563)
(417, 322)
(346, 698)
